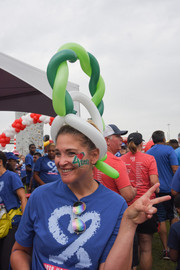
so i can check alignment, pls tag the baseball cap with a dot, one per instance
(10, 155)
(113, 130)
(135, 137)
(123, 146)
(16, 153)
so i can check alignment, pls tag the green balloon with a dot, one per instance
(81, 54)
(57, 73)
(56, 60)
(94, 75)
(106, 169)
(59, 89)
(58, 78)
(99, 92)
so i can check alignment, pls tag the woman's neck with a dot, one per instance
(83, 189)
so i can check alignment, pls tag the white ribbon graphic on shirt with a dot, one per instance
(77, 246)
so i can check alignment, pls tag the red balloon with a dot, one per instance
(7, 140)
(3, 144)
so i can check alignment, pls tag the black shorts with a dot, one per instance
(150, 226)
(165, 210)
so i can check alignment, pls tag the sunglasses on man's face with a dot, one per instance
(77, 224)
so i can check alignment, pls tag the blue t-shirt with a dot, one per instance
(176, 181)
(28, 162)
(47, 169)
(34, 183)
(9, 183)
(177, 151)
(23, 170)
(46, 225)
(174, 239)
(118, 154)
(165, 157)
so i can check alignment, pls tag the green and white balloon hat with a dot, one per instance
(63, 101)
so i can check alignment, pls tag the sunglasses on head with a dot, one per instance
(77, 224)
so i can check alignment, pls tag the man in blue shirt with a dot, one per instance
(29, 163)
(167, 164)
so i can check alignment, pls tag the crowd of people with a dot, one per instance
(73, 220)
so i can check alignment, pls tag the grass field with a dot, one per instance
(158, 263)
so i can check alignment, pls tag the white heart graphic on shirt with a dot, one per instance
(78, 244)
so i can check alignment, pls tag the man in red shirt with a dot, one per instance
(122, 184)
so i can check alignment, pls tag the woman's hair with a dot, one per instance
(84, 139)
(3, 158)
(132, 147)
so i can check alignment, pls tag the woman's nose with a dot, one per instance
(60, 160)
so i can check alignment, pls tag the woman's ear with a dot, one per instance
(94, 156)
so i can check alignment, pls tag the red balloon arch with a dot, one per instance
(21, 124)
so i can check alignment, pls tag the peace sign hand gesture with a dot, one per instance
(142, 209)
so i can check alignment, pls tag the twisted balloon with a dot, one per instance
(57, 74)
(63, 101)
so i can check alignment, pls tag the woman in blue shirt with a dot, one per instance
(74, 223)
(12, 195)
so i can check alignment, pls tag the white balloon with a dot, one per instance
(88, 130)
(45, 119)
(80, 124)
(90, 106)
(56, 125)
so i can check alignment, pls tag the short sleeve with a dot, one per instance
(153, 166)
(16, 182)
(123, 179)
(113, 235)
(173, 158)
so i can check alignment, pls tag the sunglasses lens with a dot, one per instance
(79, 208)
(78, 225)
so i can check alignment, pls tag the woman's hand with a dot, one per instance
(142, 209)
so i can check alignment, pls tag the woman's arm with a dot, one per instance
(120, 255)
(21, 257)
(154, 180)
(37, 178)
(22, 197)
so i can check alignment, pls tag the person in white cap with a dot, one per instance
(121, 185)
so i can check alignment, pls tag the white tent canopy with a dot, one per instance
(25, 88)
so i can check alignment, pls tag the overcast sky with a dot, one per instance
(137, 44)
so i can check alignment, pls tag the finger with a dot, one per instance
(151, 190)
(160, 199)
(152, 210)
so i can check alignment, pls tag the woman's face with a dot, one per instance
(74, 160)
